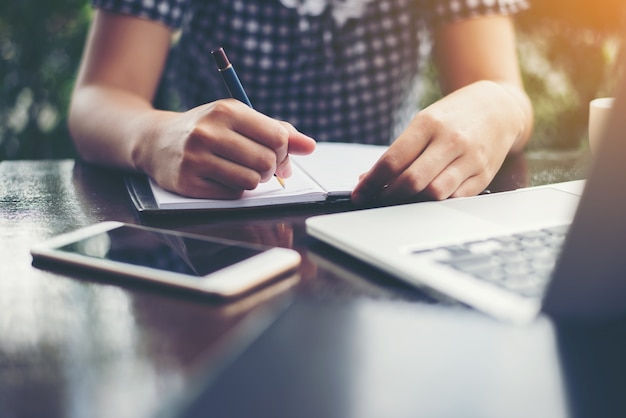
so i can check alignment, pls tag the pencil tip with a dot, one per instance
(280, 180)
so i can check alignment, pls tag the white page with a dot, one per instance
(299, 188)
(337, 166)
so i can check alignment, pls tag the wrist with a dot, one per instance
(149, 129)
(523, 109)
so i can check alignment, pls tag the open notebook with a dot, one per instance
(329, 173)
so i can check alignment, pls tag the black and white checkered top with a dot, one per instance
(339, 70)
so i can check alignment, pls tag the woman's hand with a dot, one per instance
(218, 150)
(452, 148)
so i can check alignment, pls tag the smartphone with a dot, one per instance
(209, 265)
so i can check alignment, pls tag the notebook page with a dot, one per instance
(299, 188)
(337, 166)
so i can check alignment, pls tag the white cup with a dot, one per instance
(599, 110)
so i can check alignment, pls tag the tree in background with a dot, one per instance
(567, 50)
(40, 46)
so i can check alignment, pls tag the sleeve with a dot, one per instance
(168, 12)
(444, 11)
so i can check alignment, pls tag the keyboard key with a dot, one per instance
(520, 262)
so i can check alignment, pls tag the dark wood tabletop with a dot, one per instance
(76, 344)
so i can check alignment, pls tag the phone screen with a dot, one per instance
(163, 251)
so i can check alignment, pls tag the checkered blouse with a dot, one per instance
(339, 70)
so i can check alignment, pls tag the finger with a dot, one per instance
(205, 188)
(420, 175)
(471, 187)
(284, 168)
(400, 155)
(250, 123)
(232, 115)
(262, 129)
(296, 143)
(229, 174)
(372, 182)
(277, 136)
(299, 143)
(226, 144)
(448, 182)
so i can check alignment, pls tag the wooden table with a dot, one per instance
(75, 344)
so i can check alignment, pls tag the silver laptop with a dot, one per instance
(558, 249)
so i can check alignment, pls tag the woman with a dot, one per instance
(344, 71)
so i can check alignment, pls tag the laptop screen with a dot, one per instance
(590, 278)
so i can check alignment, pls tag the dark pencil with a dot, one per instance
(233, 84)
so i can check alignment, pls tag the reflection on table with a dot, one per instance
(76, 343)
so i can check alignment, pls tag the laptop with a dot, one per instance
(558, 249)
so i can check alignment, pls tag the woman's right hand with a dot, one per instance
(218, 150)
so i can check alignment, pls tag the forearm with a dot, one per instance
(518, 112)
(112, 127)
(215, 150)
(483, 51)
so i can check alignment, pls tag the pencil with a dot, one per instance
(233, 84)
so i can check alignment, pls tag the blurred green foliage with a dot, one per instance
(40, 46)
(567, 50)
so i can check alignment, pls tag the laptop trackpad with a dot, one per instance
(523, 208)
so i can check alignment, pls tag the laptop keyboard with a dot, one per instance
(521, 262)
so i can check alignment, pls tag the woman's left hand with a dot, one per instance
(452, 148)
